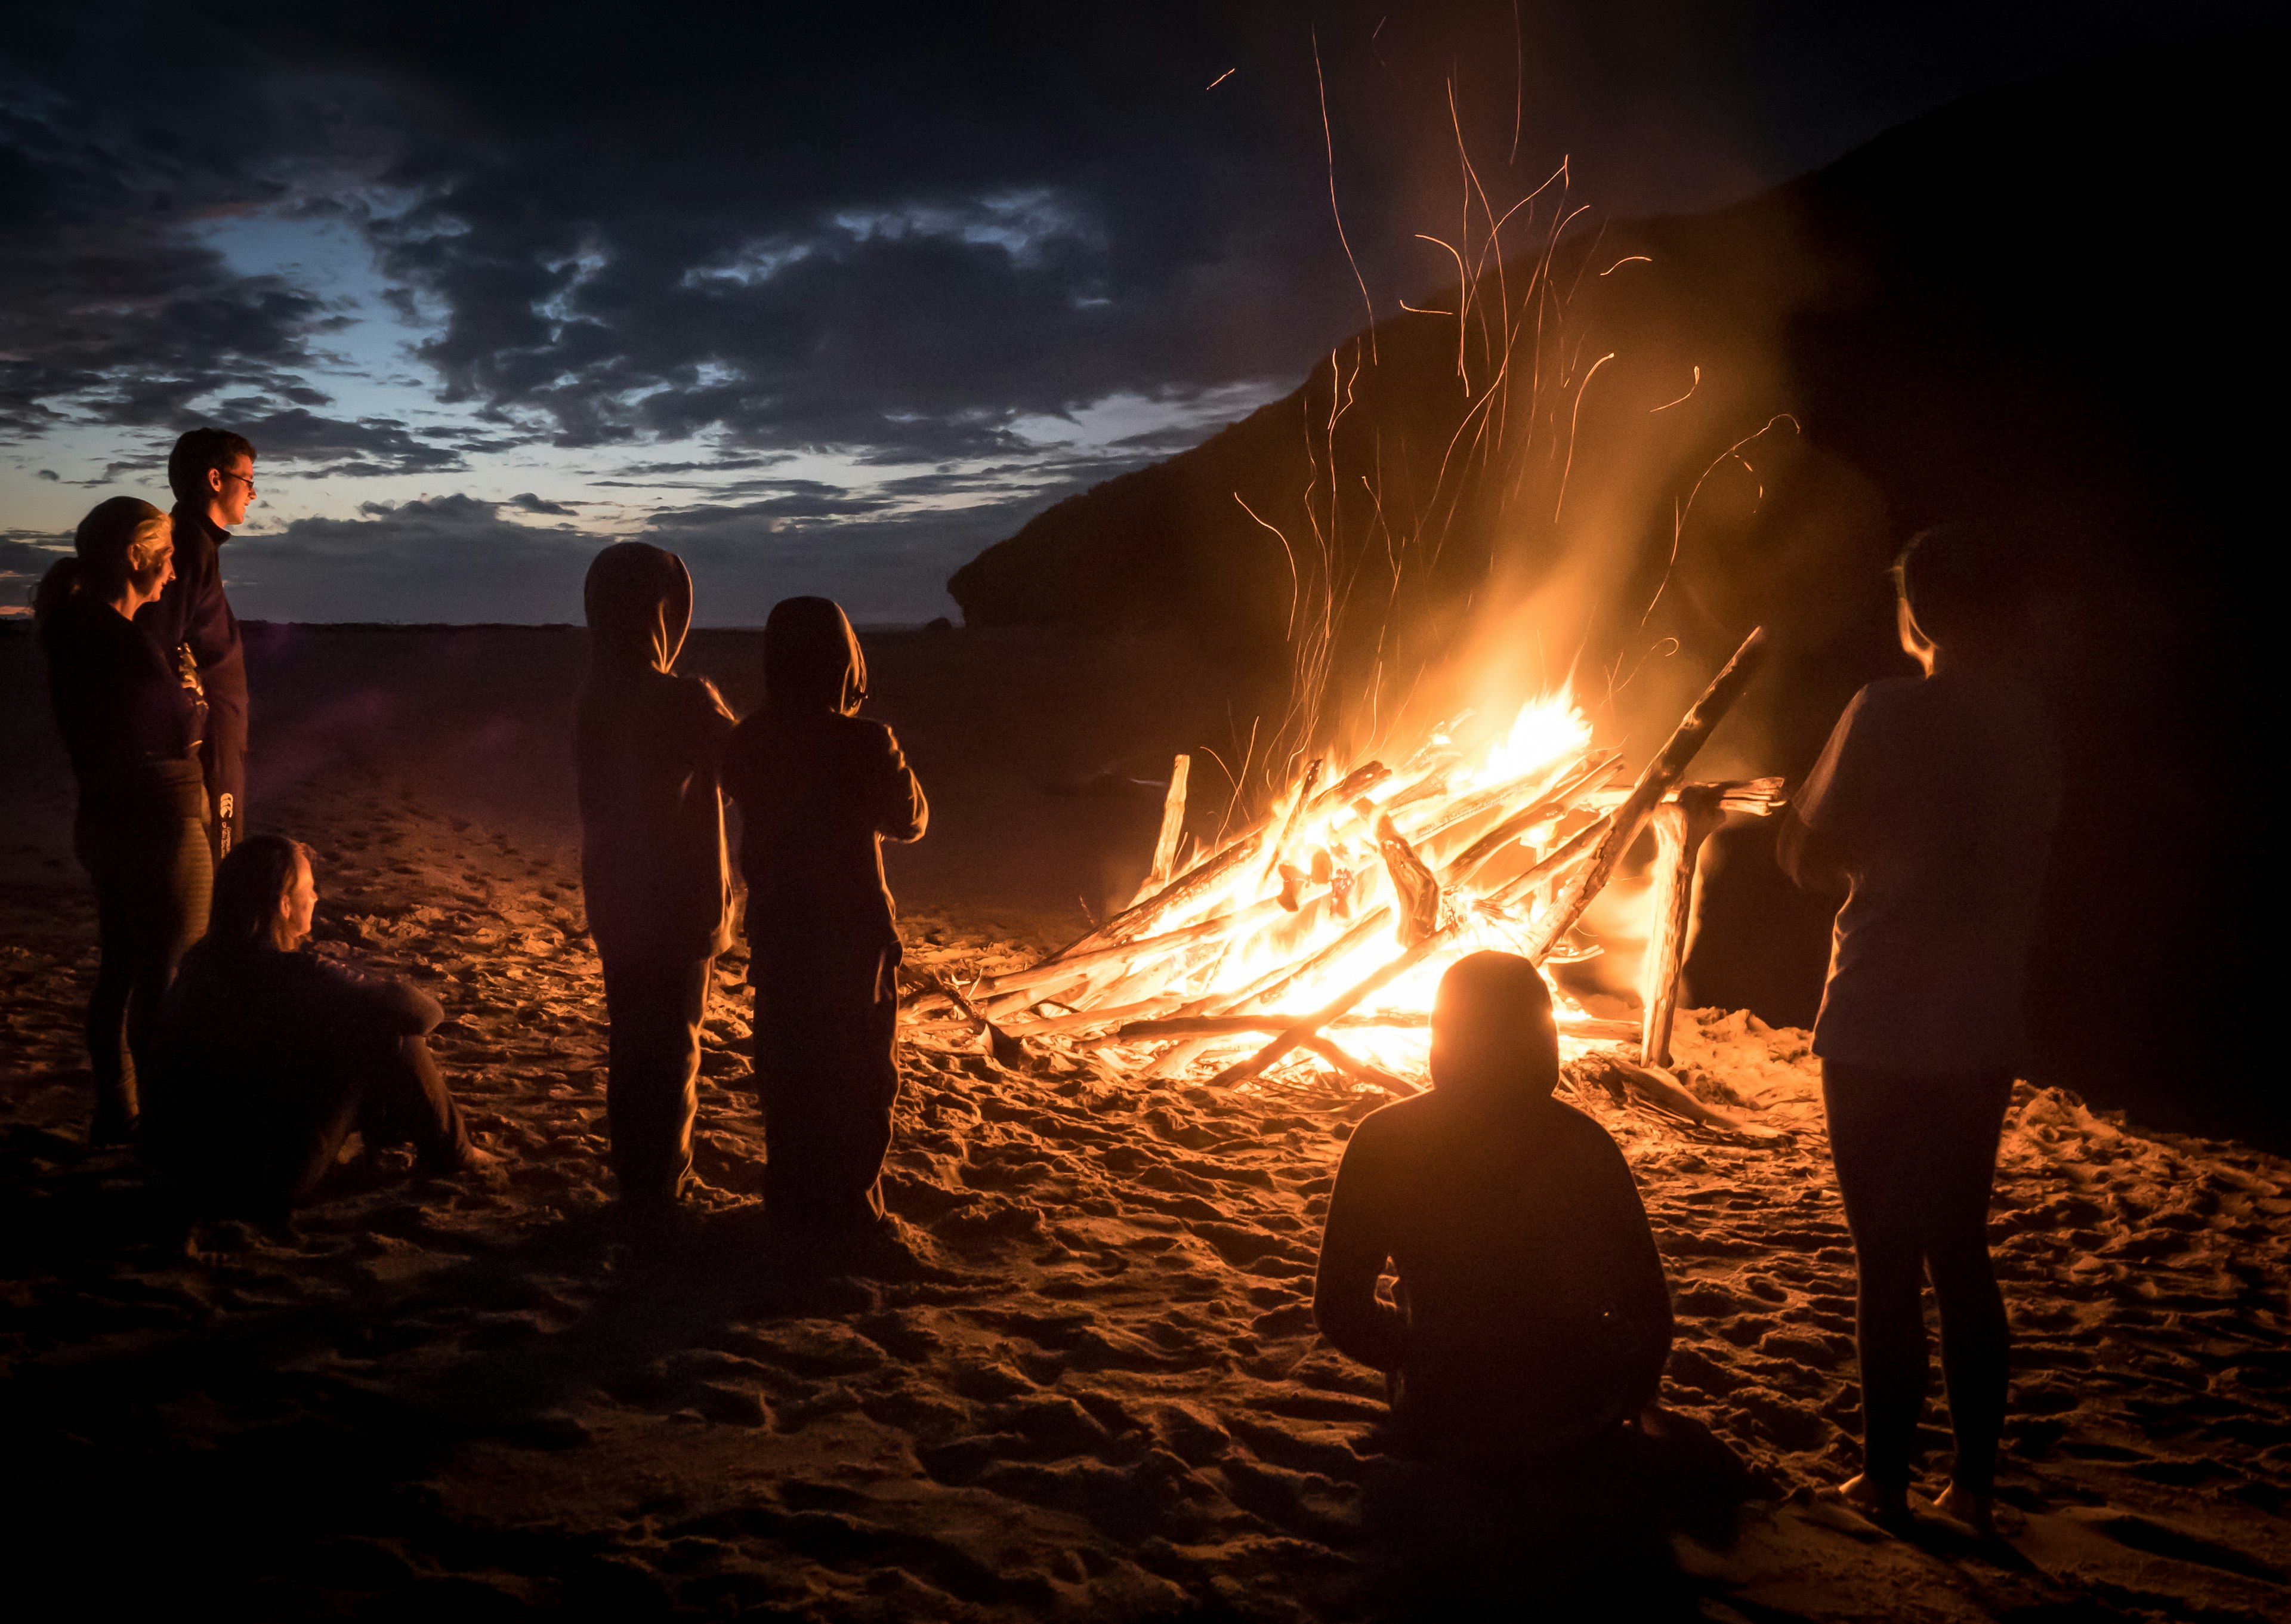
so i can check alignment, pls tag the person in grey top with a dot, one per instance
(1932, 808)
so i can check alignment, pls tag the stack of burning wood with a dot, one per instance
(1325, 926)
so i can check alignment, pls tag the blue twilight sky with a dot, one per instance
(825, 300)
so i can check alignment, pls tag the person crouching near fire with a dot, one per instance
(1531, 1315)
(819, 790)
(267, 1056)
(649, 746)
(1932, 807)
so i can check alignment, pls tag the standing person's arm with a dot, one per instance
(1815, 843)
(212, 630)
(1355, 1244)
(901, 814)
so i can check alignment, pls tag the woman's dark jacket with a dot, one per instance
(130, 726)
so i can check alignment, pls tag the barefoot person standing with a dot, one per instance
(1933, 805)
(819, 791)
(212, 474)
(648, 746)
(133, 730)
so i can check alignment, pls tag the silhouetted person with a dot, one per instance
(819, 790)
(1532, 1313)
(267, 1056)
(649, 746)
(132, 731)
(1933, 805)
(212, 474)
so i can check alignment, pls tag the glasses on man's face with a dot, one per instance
(248, 479)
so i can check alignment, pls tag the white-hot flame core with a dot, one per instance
(1545, 730)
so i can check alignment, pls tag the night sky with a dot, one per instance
(824, 298)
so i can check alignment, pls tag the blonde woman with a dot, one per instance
(133, 729)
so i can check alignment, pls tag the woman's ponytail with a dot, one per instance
(56, 588)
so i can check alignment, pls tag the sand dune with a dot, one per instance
(1081, 1379)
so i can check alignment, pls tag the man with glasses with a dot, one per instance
(212, 473)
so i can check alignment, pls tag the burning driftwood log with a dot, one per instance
(1343, 888)
(1573, 894)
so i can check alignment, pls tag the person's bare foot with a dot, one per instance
(1977, 1512)
(1874, 1500)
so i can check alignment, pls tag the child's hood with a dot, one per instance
(639, 600)
(812, 658)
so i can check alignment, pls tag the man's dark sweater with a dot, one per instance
(1534, 1309)
(193, 612)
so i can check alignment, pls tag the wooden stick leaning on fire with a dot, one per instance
(1579, 868)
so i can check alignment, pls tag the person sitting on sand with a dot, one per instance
(1532, 1313)
(1932, 806)
(131, 728)
(819, 790)
(648, 747)
(267, 1056)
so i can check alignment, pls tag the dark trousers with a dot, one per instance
(653, 1056)
(261, 1154)
(154, 879)
(827, 1067)
(1916, 1155)
(224, 757)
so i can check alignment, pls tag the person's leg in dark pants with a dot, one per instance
(153, 883)
(1975, 1343)
(1916, 1157)
(827, 1067)
(1877, 1143)
(404, 1100)
(654, 1060)
(274, 1151)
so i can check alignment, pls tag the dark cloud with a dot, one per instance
(333, 447)
(528, 503)
(24, 558)
(893, 236)
(110, 307)
(456, 559)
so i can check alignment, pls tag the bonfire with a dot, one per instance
(1317, 935)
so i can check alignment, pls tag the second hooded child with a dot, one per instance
(819, 790)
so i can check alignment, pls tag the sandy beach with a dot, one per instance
(1081, 1379)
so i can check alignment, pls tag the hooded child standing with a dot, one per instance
(649, 747)
(819, 790)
